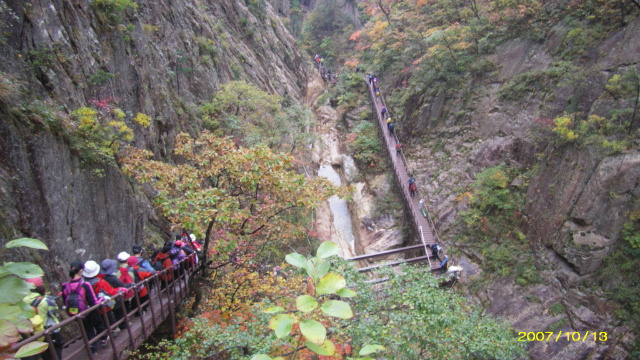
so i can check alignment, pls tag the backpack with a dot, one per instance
(126, 276)
(52, 318)
(158, 265)
(75, 299)
(412, 187)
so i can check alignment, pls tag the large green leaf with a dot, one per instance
(261, 357)
(337, 308)
(296, 260)
(274, 310)
(8, 333)
(326, 349)
(370, 349)
(27, 310)
(317, 268)
(330, 283)
(32, 348)
(313, 331)
(13, 289)
(327, 249)
(16, 315)
(281, 324)
(306, 303)
(27, 242)
(24, 270)
(10, 312)
(347, 293)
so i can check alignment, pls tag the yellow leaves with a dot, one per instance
(143, 120)
(562, 128)
(118, 113)
(86, 117)
(464, 196)
(437, 50)
(462, 45)
(378, 30)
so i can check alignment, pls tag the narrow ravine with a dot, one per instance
(340, 214)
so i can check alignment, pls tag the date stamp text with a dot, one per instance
(568, 336)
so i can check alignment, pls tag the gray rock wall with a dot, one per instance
(163, 59)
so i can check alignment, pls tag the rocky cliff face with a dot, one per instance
(576, 203)
(161, 58)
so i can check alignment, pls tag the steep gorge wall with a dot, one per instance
(576, 202)
(163, 59)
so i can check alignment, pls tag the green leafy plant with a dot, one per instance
(364, 143)
(311, 308)
(114, 10)
(15, 313)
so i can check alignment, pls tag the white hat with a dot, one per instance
(123, 256)
(91, 269)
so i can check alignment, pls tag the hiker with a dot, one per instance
(375, 80)
(435, 250)
(383, 111)
(141, 274)
(112, 286)
(398, 149)
(132, 274)
(127, 277)
(195, 245)
(136, 252)
(390, 126)
(412, 185)
(162, 261)
(370, 79)
(46, 316)
(388, 121)
(185, 250)
(445, 264)
(77, 296)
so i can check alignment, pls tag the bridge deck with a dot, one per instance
(421, 224)
(160, 307)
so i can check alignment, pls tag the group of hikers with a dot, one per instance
(372, 79)
(92, 283)
(328, 75)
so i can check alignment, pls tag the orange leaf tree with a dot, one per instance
(238, 198)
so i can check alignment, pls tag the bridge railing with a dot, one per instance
(397, 160)
(432, 224)
(161, 303)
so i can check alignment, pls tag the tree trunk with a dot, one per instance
(385, 12)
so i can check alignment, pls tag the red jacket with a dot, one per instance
(103, 285)
(166, 264)
(142, 274)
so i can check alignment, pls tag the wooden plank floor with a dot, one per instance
(122, 340)
(402, 173)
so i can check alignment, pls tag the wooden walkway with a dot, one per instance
(423, 227)
(161, 306)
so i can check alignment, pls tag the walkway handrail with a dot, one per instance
(185, 269)
(432, 224)
(413, 212)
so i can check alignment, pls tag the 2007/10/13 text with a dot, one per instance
(568, 336)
